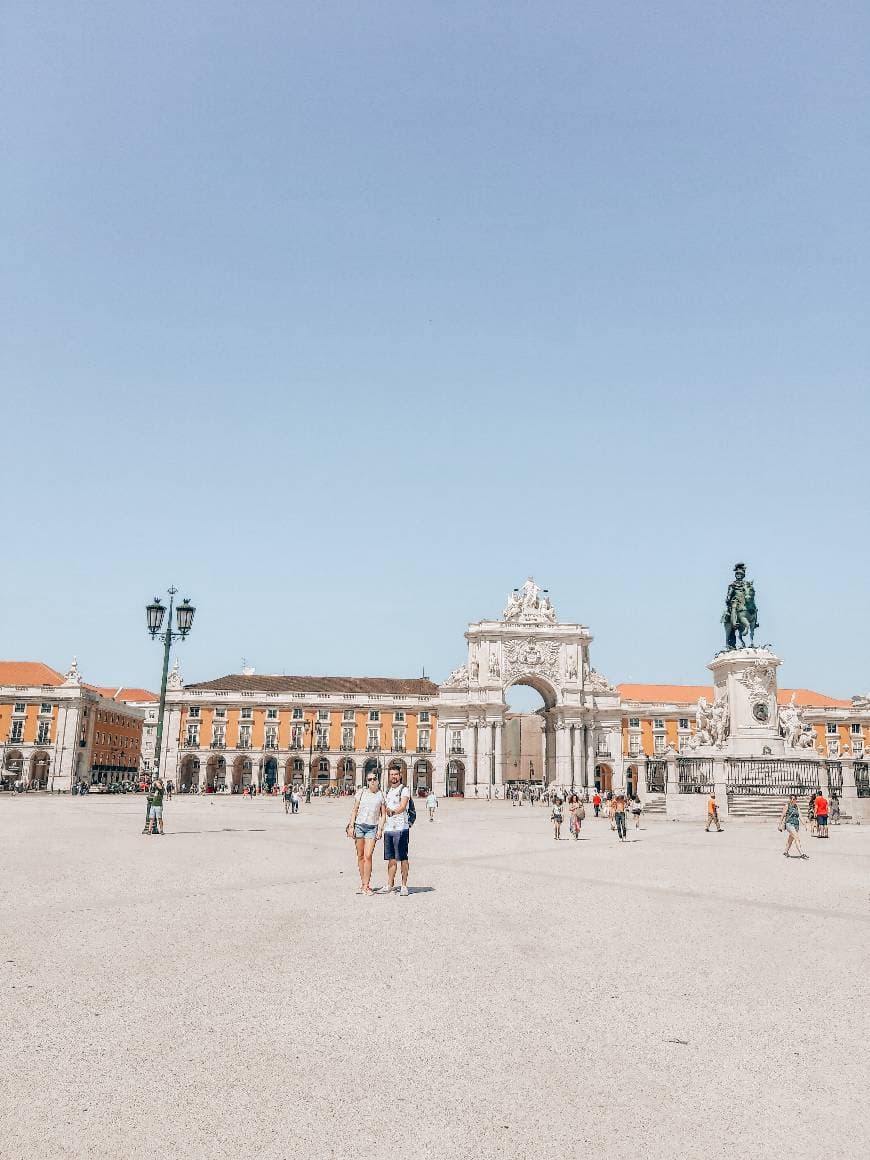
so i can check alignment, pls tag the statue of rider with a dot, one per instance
(741, 615)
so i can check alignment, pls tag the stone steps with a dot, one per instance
(755, 806)
(654, 804)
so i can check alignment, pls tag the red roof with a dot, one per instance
(243, 682)
(689, 694)
(28, 673)
(125, 693)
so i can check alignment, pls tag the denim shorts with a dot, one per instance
(364, 830)
(396, 845)
(156, 812)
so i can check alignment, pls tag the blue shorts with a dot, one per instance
(822, 820)
(365, 830)
(396, 845)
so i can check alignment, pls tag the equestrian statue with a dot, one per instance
(741, 615)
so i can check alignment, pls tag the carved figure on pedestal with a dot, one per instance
(571, 667)
(458, 676)
(719, 723)
(527, 605)
(790, 723)
(741, 614)
(494, 670)
(174, 680)
(807, 739)
(703, 722)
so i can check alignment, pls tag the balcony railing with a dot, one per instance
(295, 744)
(218, 745)
(457, 749)
(346, 748)
(243, 745)
(269, 747)
(373, 749)
(190, 744)
(424, 749)
(398, 749)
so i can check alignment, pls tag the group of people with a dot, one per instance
(616, 807)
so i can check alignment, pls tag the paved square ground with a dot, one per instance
(223, 992)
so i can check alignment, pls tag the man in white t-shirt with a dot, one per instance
(432, 804)
(397, 831)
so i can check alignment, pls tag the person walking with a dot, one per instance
(294, 800)
(556, 818)
(596, 802)
(397, 831)
(156, 808)
(577, 812)
(366, 827)
(821, 815)
(790, 821)
(618, 803)
(636, 810)
(712, 814)
(811, 814)
(432, 804)
(288, 799)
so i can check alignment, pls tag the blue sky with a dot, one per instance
(345, 318)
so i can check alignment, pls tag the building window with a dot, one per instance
(323, 766)
(658, 723)
(399, 739)
(424, 716)
(296, 737)
(298, 714)
(271, 736)
(247, 714)
(831, 727)
(244, 735)
(456, 741)
(271, 714)
(347, 737)
(193, 711)
(45, 710)
(855, 727)
(634, 745)
(19, 707)
(322, 735)
(220, 734)
(684, 723)
(17, 731)
(659, 744)
(42, 732)
(399, 717)
(373, 740)
(634, 722)
(220, 712)
(193, 735)
(347, 715)
(374, 714)
(833, 748)
(424, 740)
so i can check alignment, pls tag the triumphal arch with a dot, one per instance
(526, 646)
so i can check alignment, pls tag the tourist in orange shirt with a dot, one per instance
(712, 814)
(596, 802)
(821, 811)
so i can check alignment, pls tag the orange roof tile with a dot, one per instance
(689, 694)
(28, 673)
(125, 693)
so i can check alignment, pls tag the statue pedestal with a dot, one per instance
(746, 679)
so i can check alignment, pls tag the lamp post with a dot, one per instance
(155, 612)
(309, 728)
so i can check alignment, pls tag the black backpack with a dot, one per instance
(412, 811)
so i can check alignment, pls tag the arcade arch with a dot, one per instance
(188, 774)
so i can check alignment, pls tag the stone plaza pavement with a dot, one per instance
(223, 992)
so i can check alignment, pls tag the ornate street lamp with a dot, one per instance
(154, 615)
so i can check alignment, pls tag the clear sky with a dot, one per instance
(345, 318)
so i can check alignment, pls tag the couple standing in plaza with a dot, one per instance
(377, 815)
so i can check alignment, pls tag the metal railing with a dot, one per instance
(694, 774)
(862, 778)
(778, 777)
(656, 775)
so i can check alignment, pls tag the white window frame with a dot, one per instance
(423, 717)
(832, 729)
(634, 722)
(374, 715)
